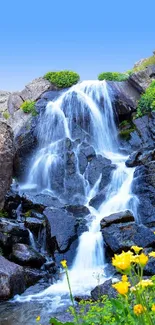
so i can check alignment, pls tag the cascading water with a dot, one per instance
(63, 119)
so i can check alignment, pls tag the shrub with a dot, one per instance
(146, 103)
(62, 79)
(29, 107)
(126, 133)
(113, 76)
(6, 115)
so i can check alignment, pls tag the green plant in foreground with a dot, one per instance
(146, 104)
(113, 76)
(62, 79)
(135, 303)
(29, 107)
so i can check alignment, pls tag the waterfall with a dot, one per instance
(98, 126)
(32, 240)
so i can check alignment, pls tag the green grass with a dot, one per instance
(62, 79)
(29, 107)
(146, 104)
(145, 64)
(126, 133)
(6, 115)
(113, 76)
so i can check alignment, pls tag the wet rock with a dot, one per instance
(141, 157)
(6, 159)
(27, 256)
(104, 289)
(61, 229)
(119, 217)
(14, 228)
(100, 167)
(32, 276)
(98, 199)
(34, 224)
(11, 279)
(142, 79)
(39, 202)
(120, 236)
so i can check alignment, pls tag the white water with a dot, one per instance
(89, 263)
(32, 240)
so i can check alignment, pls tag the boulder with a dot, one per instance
(27, 256)
(120, 236)
(4, 96)
(144, 187)
(14, 102)
(36, 88)
(6, 159)
(11, 279)
(98, 199)
(141, 157)
(119, 217)
(125, 99)
(63, 228)
(142, 79)
(104, 289)
(32, 276)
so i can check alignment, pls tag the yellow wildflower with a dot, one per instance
(143, 259)
(136, 249)
(38, 318)
(152, 254)
(124, 278)
(153, 307)
(145, 283)
(64, 263)
(121, 287)
(135, 259)
(138, 309)
(122, 261)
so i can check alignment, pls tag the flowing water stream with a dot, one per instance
(57, 124)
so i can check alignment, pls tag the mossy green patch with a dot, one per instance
(62, 79)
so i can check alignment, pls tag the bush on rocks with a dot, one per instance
(62, 79)
(146, 103)
(29, 107)
(113, 76)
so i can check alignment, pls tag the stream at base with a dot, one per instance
(89, 265)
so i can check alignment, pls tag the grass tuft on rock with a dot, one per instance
(29, 107)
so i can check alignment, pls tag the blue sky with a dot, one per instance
(86, 36)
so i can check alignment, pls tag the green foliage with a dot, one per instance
(124, 123)
(29, 107)
(6, 115)
(126, 133)
(113, 76)
(145, 63)
(27, 214)
(3, 214)
(62, 79)
(146, 103)
(54, 321)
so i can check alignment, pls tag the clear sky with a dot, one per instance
(85, 36)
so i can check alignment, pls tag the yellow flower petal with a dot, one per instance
(153, 307)
(138, 309)
(152, 254)
(121, 287)
(64, 263)
(124, 278)
(145, 283)
(136, 249)
(122, 261)
(38, 319)
(143, 259)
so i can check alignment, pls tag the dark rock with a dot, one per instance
(27, 256)
(32, 276)
(104, 289)
(100, 167)
(39, 202)
(52, 95)
(11, 279)
(141, 157)
(34, 224)
(120, 237)
(61, 229)
(119, 217)
(144, 187)
(6, 159)
(98, 199)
